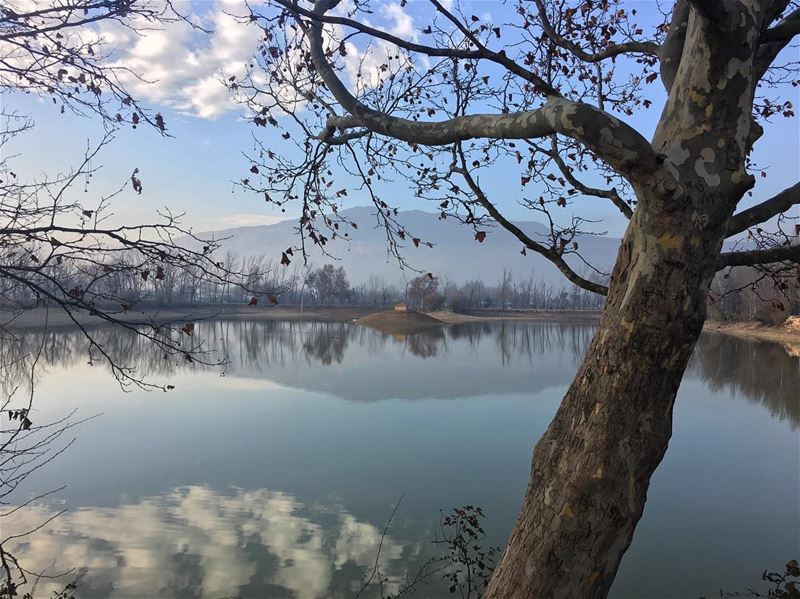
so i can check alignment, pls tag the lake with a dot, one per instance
(275, 474)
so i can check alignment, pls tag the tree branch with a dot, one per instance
(765, 210)
(787, 253)
(482, 52)
(611, 194)
(609, 52)
(621, 146)
(551, 254)
(672, 48)
(785, 30)
(774, 40)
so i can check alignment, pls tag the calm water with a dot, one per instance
(275, 475)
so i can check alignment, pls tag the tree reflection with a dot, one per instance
(327, 342)
(761, 372)
(426, 344)
(250, 344)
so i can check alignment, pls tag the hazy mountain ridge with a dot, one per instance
(455, 255)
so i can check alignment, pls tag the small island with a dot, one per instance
(400, 320)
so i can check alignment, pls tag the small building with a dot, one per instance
(401, 307)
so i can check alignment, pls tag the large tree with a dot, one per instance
(547, 89)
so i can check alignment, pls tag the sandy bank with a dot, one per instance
(390, 321)
(786, 334)
(571, 316)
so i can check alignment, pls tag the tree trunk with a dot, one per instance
(592, 467)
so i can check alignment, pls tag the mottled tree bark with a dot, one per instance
(592, 468)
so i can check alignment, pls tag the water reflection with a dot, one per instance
(533, 357)
(196, 542)
(762, 372)
(261, 343)
(274, 480)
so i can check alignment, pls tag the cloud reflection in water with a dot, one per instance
(194, 541)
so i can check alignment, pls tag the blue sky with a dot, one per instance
(194, 170)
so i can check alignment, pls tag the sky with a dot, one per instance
(194, 170)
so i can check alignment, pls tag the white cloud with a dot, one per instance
(182, 68)
(368, 60)
(402, 24)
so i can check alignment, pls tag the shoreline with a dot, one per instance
(754, 330)
(54, 317)
(571, 316)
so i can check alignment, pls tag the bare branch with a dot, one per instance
(774, 40)
(627, 152)
(785, 30)
(569, 175)
(765, 210)
(788, 253)
(624, 148)
(550, 253)
(318, 16)
(612, 51)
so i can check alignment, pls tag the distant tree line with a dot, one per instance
(257, 279)
(741, 293)
(508, 293)
(749, 293)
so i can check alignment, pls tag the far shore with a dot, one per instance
(55, 317)
(756, 330)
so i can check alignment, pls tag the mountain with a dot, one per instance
(456, 254)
